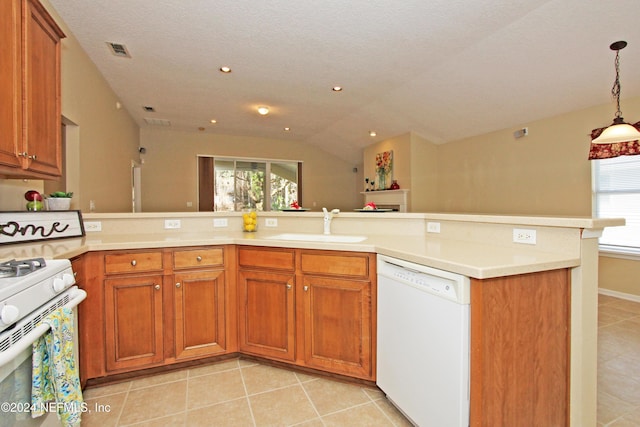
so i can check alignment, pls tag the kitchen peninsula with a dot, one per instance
(478, 246)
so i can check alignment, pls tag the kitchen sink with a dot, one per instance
(330, 238)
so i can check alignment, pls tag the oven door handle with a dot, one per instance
(26, 341)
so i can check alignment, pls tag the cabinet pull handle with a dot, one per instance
(134, 262)
(178, 285)
(33, 157)
(306, 288)
(198, 258)
(23, 154)
(157, 287)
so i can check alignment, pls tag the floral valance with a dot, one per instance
(607, 151)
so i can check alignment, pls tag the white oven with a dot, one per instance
(30, 290)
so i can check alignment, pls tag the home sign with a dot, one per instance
(21, 227)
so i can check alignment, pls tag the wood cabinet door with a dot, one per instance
(10, 84)
(42, 115)
(338, 332)
(133, 318)
(200, 313)
(267, 314)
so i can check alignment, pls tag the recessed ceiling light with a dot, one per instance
(214, 121)
(225, 70)
(337, 88)
(287, 129)
(372, 133)
(263, 110)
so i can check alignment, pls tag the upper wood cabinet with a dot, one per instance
(30, 93)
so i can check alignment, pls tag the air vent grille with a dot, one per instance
(148, 109)
(119, 49)
(157, 122)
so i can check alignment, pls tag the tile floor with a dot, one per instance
(240, 393)
(618, 362)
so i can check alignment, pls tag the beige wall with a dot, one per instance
(101, 140)
(169, 173)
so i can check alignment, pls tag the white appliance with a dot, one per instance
(423, 342)
(29, 291)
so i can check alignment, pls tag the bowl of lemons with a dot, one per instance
(250, 221)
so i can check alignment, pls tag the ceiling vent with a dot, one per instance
(157, 122)
(119, 50)
(148, 109)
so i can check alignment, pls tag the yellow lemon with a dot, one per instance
(247, 220)
(254, 214)
(249, 227)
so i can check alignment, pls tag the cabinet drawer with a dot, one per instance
(194, 258)
(344, 265)
(276, 259)
(132, 262)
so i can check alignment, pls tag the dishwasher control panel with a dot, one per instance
(448, 285)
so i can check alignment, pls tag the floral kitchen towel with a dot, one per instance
(55, 374)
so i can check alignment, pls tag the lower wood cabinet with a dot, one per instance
(200, 313)
(158, 306)
(309, 307)
(338, 325)
(267, 314)
(134, 322)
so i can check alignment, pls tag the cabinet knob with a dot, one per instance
(33, 157)
(178, 285)
(306, 288)
(134, 262)
(198, 258)
(23, 154)
(157, 287)
(288, 285)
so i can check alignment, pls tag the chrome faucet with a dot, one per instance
(328, 216)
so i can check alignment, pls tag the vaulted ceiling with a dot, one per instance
(444, 69)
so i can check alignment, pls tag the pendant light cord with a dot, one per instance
(615, 91)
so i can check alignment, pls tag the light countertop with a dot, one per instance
(473, 259)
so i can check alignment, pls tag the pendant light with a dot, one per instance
(619, 130)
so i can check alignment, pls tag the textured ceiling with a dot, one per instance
(444, 69)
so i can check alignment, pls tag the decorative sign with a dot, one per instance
(21, 227)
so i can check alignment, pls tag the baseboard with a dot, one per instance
(621, 295)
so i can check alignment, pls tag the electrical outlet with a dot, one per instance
(522, 235)
(91, 226)
(171, 223)
(271, 222)
(433, 227)
(220, 222)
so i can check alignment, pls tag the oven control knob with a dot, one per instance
(9, 314)
(58, 285)
(68, 279)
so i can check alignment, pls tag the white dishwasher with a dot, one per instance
(423, 342)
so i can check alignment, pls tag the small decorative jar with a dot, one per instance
(395, 185)
(249, 221)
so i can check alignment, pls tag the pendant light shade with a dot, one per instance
(619, 130)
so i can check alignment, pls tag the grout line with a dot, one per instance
(304, 390)
(124, 403)
(246, 394)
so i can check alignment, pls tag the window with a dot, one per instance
(616, 194)
(228, 184)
